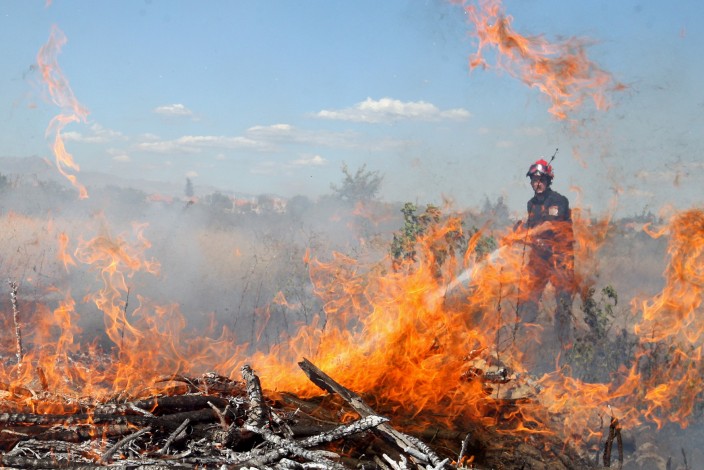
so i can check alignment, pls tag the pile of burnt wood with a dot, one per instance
(215, 422)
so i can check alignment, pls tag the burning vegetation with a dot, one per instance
(382, 360)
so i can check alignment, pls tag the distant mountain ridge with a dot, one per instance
(40, 169)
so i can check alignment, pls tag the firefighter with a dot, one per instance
(550, 237)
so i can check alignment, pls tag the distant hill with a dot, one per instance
(28, 167)
(34, 168)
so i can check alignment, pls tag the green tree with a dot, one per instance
(403, 245)
(363, 185)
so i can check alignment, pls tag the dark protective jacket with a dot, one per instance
(551, 259)
(550, 216)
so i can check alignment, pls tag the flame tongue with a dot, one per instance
(63, 97)
(672, 331)
(386, 334)
(561, 70)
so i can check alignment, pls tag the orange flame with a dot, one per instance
(63, 256)
(63, 97)
(664, 382)
(561, 70)
(386, 334)
(672, 328)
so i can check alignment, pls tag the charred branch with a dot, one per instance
(209, 384)
(16, 319)
(420, 452)
(614, 433)
(294, 448)
(168, 421)
(259, 413)
(107, 456)
(59, 462)
(179, 431)
(463, 448)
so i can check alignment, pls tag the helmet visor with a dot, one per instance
(538, 169)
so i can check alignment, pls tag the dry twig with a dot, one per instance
(107, 456)
(16, 318)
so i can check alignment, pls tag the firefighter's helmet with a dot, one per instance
(540, 168)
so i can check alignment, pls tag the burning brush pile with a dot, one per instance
(213, 421)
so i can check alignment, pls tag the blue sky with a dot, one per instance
(273, 96)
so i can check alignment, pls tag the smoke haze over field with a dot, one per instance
(243, 264)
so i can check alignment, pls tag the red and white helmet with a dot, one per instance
(540, 168)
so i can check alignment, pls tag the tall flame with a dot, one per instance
(63, 97)
(672, 326)
(560, 70)
(385, 334)
(388, 333)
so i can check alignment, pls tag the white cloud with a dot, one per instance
(274, 132)
(389, 110)
(269, 167)
(165, 146)
(176, 109)
(190, 144)
(273, 129)
(191, 174)
(288, 134)
(272, 139)
(97, 135)
(315, 160)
